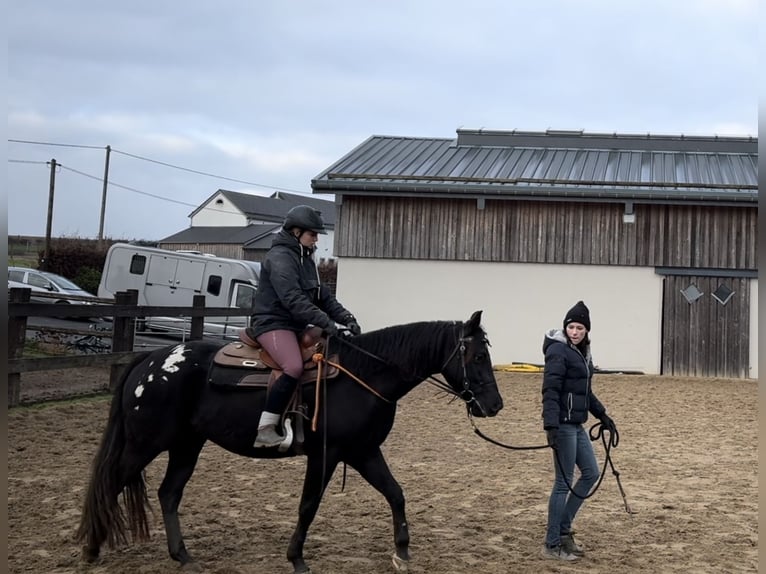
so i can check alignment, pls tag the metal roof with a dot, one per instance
(551, 165)
(221, 234)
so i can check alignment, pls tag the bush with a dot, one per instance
(88, 278)
(79, 260)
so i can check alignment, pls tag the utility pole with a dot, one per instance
(49, 226)
(103, 195)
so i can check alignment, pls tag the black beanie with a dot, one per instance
(578, 314)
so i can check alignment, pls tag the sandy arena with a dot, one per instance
(687, 458)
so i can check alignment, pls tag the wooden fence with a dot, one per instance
(124, 312)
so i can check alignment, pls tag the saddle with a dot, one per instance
(260, 370)
(245, 364)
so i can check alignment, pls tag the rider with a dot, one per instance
(290, 297)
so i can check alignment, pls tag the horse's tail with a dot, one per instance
(103, 520)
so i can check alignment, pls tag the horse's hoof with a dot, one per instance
(400, 564)
(192, 567)
(89, 555)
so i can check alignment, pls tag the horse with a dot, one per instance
(164, 401)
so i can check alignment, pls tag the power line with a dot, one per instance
(114, 184)
(198, 172)
(204, 173)
(27, 161)
(58, 144)
(133, 189)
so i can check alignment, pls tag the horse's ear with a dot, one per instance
(474, 323)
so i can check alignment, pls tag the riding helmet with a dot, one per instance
(304, 217)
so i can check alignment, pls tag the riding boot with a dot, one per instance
(276, 402)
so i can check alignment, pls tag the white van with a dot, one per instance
(172, 278)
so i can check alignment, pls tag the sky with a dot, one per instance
(260, 96)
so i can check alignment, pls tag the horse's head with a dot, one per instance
(468, 369)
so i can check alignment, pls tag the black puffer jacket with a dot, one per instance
(567, 392)
(290, 295)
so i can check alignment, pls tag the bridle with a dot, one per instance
(466, 394)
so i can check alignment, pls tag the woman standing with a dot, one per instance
(289, 298)
(568, 397)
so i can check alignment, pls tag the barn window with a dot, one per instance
(691, 293)
(214, 284)
(138, 264)
(723, 294)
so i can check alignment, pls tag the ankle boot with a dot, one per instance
(267, 437)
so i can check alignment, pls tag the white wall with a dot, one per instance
(754, 329)
(215, 215)
(520, 302)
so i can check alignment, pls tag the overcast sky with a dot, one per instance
(272, 92)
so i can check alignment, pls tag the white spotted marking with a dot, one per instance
(150, 378)
(175, 357)
(136, 408)
(139, 391)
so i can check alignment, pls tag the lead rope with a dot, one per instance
(613, 441)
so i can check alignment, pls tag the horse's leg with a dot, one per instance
(319, 469)
(374, 469)
(182, 458)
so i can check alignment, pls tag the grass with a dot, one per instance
(29, 261)
(36, 349)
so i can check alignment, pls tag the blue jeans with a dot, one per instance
(574, 448)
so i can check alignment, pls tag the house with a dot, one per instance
(656, 233)
(241, 225)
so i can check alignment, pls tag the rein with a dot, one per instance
(466, 394)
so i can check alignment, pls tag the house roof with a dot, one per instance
(222, 234)
(562, 165)
(275, 207)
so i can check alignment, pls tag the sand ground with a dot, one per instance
(687, 458)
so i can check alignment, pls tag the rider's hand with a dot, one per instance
(353, 327)
(331, 330)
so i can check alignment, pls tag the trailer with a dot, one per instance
(172, 278)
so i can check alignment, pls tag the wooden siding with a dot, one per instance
(663, 235)
(705, 338)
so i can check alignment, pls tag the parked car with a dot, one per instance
(49, 283)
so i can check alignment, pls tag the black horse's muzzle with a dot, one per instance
(488, 404)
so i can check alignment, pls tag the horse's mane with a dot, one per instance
(408, 347)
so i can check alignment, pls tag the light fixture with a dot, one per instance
(628, 215)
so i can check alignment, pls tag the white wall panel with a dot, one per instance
(520, 302)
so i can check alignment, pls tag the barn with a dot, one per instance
(241, 225)
(656, 233)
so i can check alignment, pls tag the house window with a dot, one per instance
(214, 284)
(723, 294)
(691, 293)
(138, 264)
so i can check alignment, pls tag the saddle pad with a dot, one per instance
(237, 377)
(232, 376)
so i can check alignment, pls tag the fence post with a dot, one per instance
(17, 334)
(197, 329)
(123, 332)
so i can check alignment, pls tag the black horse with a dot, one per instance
(165, 402)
